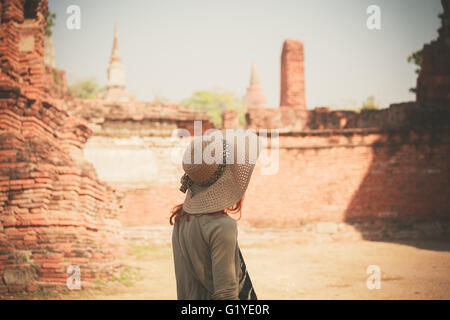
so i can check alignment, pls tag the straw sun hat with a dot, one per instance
(217, 169)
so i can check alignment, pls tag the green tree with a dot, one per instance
(214, 102)
(416, 58)
(370, 104)
(86, 89)
(50, 19)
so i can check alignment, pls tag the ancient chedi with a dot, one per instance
(254, 96)
(115, 85)
(292, 75)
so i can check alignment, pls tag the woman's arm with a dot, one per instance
(223, 241)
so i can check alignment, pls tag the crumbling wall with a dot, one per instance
(351, 175)
(383, 183)
(137, 118)
(56, 83)
(136, 147)
(54, 212)
(433, 83)
(398, 115)
(230, 119)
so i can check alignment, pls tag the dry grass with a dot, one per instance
(329, 270)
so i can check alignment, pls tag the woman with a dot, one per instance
(208, 261)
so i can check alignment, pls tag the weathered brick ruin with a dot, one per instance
(292, 75)
(433, 83)
(54, 211)
(131, 148)
(230, 119)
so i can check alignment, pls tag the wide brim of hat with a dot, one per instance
(223, 193)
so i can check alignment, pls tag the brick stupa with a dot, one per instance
(115, 85)
(254, 96)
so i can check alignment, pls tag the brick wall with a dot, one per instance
(351, 176)
(433, 83)
(230, 119)
(54, 211)
(398, 115)
(344, 176)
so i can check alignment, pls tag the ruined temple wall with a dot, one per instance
(134, 143)
(54, 211)
(398, 115)
(230, 119)
(353, 176)
(135, 161)
(433, 82)
(146, 170)
(337, 176)
(56, 83)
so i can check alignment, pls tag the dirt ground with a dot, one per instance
(289, 270)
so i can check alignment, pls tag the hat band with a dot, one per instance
(187, 182)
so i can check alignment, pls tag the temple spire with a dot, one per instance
(254, 79)
(115, 82)
(116, 69)
(254, 96)
(115, 55)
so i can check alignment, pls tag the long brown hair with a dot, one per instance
(177, 212)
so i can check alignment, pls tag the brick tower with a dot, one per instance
(292, 75)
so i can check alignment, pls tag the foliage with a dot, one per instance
(416, 58)
(370, 104)
(86, 89)
(215, 101)
(50, 19)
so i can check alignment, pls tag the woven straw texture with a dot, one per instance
(244, 146)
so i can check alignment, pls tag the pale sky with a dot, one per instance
(172, 48)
